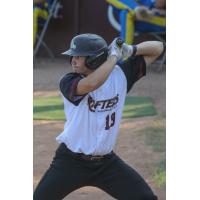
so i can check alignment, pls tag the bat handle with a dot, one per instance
(119, 42)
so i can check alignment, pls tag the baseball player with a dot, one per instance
(94, 95)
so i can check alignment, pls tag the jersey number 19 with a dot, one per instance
(110, 121)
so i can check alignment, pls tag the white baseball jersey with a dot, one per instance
(92, 120)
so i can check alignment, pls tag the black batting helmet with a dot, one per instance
(92, 46)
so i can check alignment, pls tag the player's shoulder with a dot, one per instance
(70, 76)
(68, 84)
(68, 79)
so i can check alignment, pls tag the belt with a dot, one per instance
(91, 157)
(87, 157)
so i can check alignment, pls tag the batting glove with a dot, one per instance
(115, 50)
(128, 50)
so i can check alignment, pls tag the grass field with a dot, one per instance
(155, 136)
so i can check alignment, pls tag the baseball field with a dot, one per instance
(141, 141)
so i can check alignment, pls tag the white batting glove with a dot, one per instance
(128, 50)
(115, 50)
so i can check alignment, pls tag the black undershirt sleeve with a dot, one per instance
(134, 68)
(68, 85)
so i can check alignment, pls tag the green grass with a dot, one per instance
(51, 108)
(48, 108)
(160, 176)
(138, 107)
(155, 136)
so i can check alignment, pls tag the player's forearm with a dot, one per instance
(99, 76)
(149, 48)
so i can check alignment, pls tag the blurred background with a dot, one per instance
(74, 17)
(56, 22)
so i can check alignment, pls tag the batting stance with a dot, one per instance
(94, 96)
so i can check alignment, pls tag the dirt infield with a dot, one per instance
(130, 145)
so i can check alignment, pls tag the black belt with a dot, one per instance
(86, 157)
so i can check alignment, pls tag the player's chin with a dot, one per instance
(75, 69)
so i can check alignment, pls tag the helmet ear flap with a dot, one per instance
(93, 62)
(90, 62)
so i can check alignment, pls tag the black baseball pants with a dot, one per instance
(68, 173)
